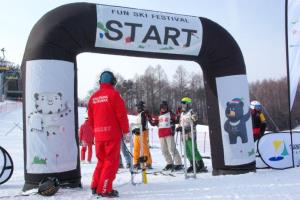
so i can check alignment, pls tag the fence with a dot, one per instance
(9, 106)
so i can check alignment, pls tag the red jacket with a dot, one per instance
(165, 122)
(107, 114)
(86, 133)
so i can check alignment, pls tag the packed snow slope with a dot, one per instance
(264, 184)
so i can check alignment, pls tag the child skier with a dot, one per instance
(258, 120)
(142, 120)
(186, 117)
(86, 140)
(165, 124)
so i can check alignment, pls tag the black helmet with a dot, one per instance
(164, 104)
(140, 106)
(48, 186)
(108, 77)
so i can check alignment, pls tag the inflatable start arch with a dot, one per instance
(50, 81)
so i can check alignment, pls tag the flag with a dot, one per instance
(293, 40)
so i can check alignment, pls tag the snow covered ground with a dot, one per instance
(264, 184)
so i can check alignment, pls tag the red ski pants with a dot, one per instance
(89, 148)
(108, 155)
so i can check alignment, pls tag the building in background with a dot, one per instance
(10, 81)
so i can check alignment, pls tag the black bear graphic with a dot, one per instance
(235, 125)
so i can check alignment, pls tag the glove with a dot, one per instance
(126, 138)
(179, 129)
(80, 143)
(187, 129)
(194, 117)
(136, 131)
(154, 120)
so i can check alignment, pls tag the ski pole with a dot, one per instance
(152, 138)
(131, 160)
(180, 143)
(184, 151)
(142, 158)
(175, 147)
(269, 116)
(204, 142)
(193, 148)
(176, 136)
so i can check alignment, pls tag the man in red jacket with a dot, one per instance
(108, 116)
(86, 140)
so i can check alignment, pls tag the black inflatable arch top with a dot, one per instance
(50, 75)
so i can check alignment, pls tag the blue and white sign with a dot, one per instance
(275, 149)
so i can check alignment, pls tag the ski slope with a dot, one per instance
(265, 184)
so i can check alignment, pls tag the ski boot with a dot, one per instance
(168, 167)
(200, 167)
(128, 165)
(149, 166)
(190, 168)
(137, 166)
(177, 167)
(111, 194)
(94, 191)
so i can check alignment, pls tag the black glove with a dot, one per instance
(136, 131)
(187, 129)
(179, 129)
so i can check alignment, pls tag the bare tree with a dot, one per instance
(162, 82)
(273, 96)
(180, 82)
(149, 83)
(197, 93)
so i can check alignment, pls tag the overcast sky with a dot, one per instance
(257, 26)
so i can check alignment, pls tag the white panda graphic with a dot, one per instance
(48, 114)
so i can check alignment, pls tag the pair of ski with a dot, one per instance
(34, 192)
(165, 173)
(172, 173)
(22, 194)
(142, 158)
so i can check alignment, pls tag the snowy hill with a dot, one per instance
(265, 184)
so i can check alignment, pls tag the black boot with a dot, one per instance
(128, 165)
(111, 194)
(94, 191)
(137, 166)
(168, 167)
(149, 166)
(190, 168)
(177, 167)
(200, 167)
